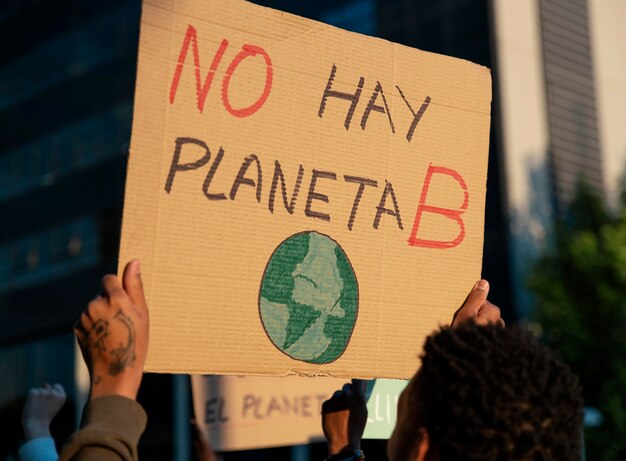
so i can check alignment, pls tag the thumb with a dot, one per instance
(133, 285)
(477, 297)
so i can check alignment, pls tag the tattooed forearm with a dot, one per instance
(124, 355)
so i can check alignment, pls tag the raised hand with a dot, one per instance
(41, 406)
(113, 335)
(344, 416)
(477, 308)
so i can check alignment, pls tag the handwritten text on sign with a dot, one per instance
(239, 413)
(304, 200)
(250, 173)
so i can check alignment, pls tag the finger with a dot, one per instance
(85, 321)
(58, 389)
(111, 285)
(35, 391)
(80, 338)
(133, 284)
(330, 405)
(57, 393)
(347, 389)
(79, 331)
(476, 298)
(488, 314)
(337, 402)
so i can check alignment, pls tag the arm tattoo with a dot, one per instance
(124, 355)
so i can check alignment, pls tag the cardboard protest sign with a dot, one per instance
(303, 200)
(244, 413)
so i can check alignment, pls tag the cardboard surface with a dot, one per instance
(304, 200)
(245, 413)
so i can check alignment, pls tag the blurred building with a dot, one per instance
(560, 114)
(66, 92)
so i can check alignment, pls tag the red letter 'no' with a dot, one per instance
(448, 213)
(191, 39)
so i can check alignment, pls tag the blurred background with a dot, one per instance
(555, 226)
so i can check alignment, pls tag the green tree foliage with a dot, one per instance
(580, 290)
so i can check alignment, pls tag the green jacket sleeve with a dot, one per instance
(110, 431)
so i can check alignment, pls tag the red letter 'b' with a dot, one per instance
(448, 213)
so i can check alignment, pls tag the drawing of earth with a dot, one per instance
(308, 299)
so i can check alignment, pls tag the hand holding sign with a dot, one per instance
(113, 335)
(344, 416)
(478, 308)
(341, 414)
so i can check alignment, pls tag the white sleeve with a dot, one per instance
(39, 449)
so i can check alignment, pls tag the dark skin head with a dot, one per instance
(404, 443)
(410, 440)
(483, 393)
(487, 393)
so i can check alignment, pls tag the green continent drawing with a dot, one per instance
(309, 298)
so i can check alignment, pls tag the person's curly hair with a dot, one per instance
(489, 393)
